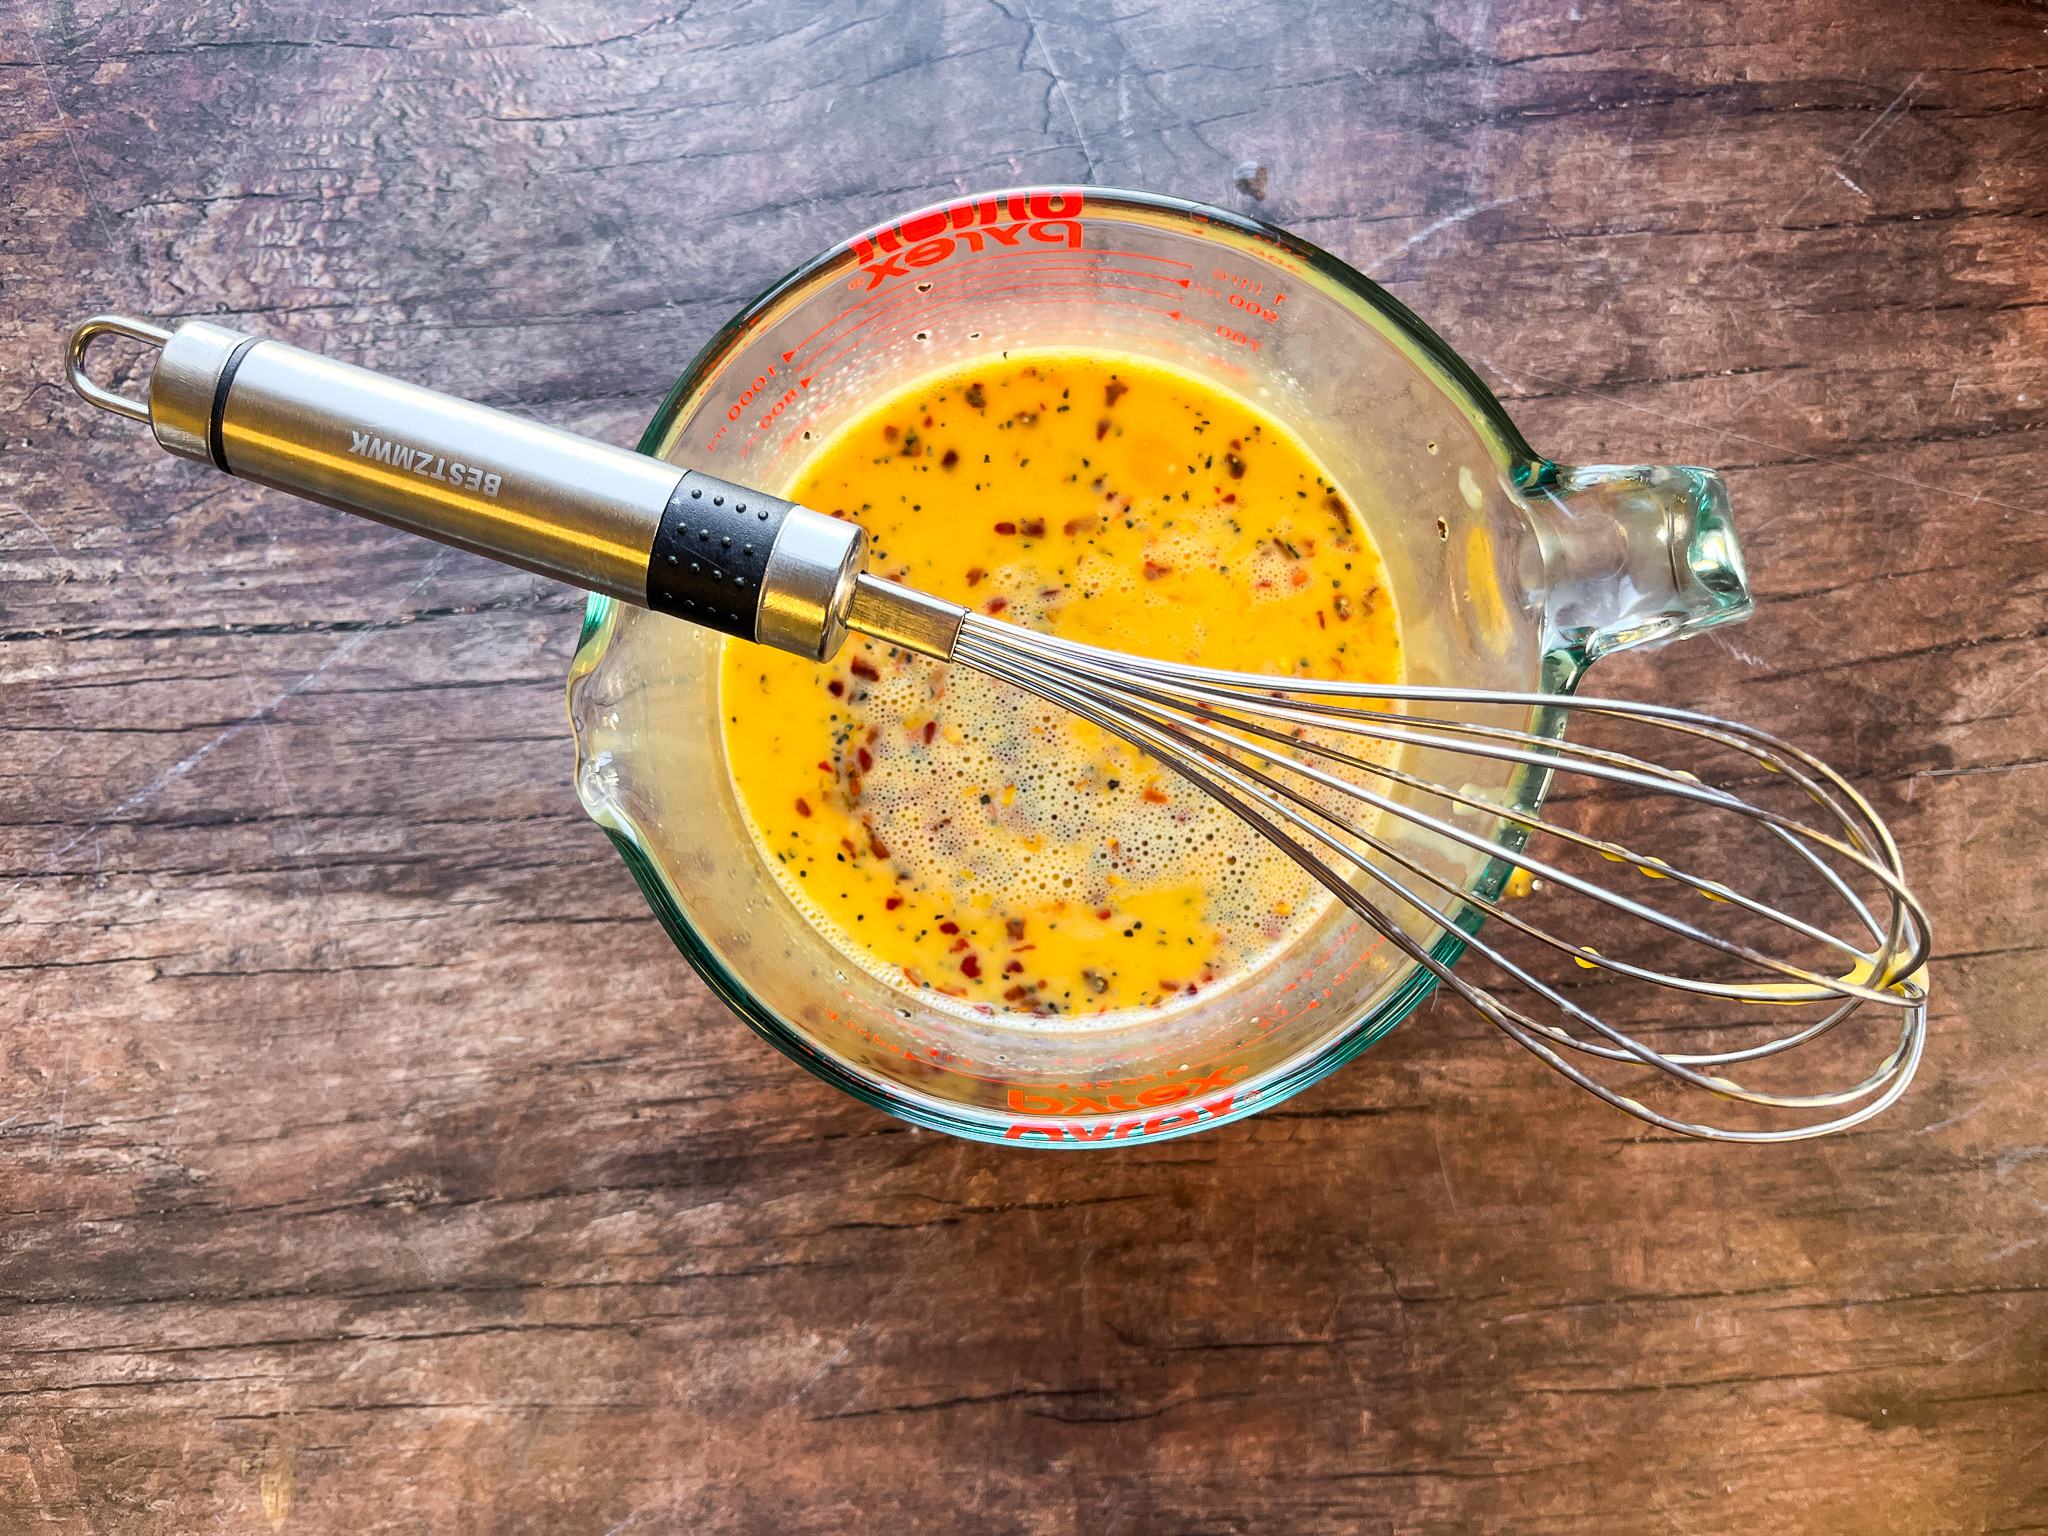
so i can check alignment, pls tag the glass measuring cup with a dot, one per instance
(1507, 571)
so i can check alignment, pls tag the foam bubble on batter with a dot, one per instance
(1013, 804)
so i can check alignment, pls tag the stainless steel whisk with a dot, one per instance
(1315, 767)
(1265, 751)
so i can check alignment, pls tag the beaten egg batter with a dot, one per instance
(958, 837)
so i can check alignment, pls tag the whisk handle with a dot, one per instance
(599, 517)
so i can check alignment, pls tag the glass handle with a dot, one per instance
(1634, 555)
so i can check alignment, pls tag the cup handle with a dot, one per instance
(1634, 555)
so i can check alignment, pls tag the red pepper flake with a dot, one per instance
(1014, 968)
(1321, 623)
(876, 847)
(867, 760)
(1230, 500)
(1154, 795)
(824, 767)
(975, 397)
(949, 927)
(1299, 578)
(958, 945)
(852, 787)
(892, 903)
(997, 604)
(847, 844)
(803, 806)
(971, 967)
(889, 434)
(974, 575)
(1235, 465)
(1014, 926)
(1102, 914)
(1074, 525)
(836, 688)
(1034, 528)
(1012, 993)
(952, 457)
(931, 729)
(1169, 986)
(1114, 391)
(1154, 570)
(1006, 529)
(1335, 504)
(860, 667)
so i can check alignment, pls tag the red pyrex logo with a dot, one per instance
(1067, 1102)
(922, 240)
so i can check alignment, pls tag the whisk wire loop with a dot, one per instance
(1517, 1024)
(1266, 749)
(1236, 730)
(1547, 757)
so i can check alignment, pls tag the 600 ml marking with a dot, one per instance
(425, 464)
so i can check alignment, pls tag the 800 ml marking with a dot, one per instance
(427, 465)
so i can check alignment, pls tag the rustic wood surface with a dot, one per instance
(371, 1161)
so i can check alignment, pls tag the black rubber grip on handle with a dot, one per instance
(711, 553)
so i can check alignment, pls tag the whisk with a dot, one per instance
(1314, 767)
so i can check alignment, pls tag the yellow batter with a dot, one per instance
(953, 834)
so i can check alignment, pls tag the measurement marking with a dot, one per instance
(963, 283)
(954, 268)
(976, 285)
(1068, 304)
(893, 302)
(847, 343)
(1047, 262)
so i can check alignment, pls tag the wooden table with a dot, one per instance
(372, 1163)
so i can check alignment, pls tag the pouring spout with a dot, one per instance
(1634, 555)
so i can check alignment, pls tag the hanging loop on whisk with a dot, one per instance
(82, 339)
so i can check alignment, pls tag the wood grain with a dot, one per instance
(373, 1164)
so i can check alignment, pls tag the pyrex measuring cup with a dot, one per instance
(1507, 572)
